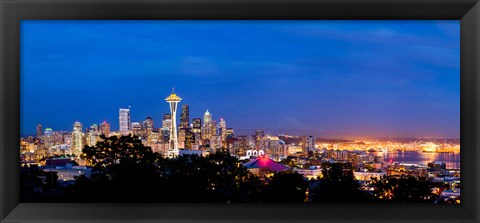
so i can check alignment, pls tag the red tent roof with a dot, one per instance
(264, 162)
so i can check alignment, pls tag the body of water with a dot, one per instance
(452, 160)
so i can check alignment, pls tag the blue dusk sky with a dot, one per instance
(344, 79)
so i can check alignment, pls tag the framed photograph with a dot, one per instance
(239, 111)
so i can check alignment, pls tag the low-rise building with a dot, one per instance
(407, 170)
(69, 172)
(311, 174)
(368, 176)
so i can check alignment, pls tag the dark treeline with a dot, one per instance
(124, 170)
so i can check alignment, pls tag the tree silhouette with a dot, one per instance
(30, 183)
(338, 185)
(38, 186)
(218, 177)
(285, 187)
(124, 171)
(111, 151)
(409, 189)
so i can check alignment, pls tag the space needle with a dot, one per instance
(173, 100)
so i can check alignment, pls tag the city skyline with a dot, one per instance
(365, 97)
(243, 132)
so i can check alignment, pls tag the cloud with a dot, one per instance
(266, 67)
(374, 35)
(198, 66)
(292, 125)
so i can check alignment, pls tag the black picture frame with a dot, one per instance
(13, 11)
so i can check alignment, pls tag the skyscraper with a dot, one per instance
(222, 126)
(124, 120)
(207, 117)
(166, 125)
(105, 128)
(165, 134)
(259, 139)
(310, 142)
(173, 101)
(185, 117)
(148, 125)
(207, 128)
(259, 134)
(197, 125)
(93, 135)
(137, 129)
(39, 131)
(48, 133)
(197, 130)
(181, 138)
(189, 139)
(229, 133)
(213, 128)
(167, 121)
(77, 139)
(48, 137)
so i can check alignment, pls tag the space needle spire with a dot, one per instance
(173, 101)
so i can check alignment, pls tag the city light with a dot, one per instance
(263, 154)
(263, 111)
